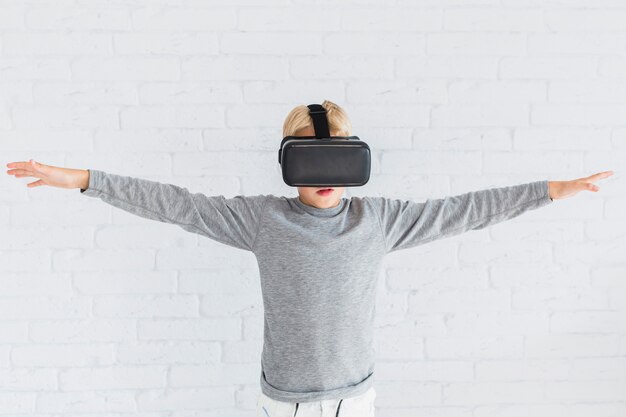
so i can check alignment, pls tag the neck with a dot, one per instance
(331, 204)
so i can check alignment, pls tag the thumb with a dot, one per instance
(37, 166)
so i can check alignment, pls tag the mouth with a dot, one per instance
(325, 191)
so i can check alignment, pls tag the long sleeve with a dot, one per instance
(405, 224)
(232, 221)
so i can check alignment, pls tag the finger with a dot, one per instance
(589, 186)
(19, 172)
(599, 176)
(27, 165)
(35, 184)
(18, 164)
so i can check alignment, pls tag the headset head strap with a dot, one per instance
(320, 122)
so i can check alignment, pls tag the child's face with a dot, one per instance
(310, 195)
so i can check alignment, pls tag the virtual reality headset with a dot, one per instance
(323, 160)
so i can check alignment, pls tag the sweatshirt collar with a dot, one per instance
(321, 212)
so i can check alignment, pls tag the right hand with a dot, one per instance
(49, 175)
(564, 189)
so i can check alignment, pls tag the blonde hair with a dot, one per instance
(299, 118)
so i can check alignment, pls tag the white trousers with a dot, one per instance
(360, 406)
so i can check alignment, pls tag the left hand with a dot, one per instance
(564, 189)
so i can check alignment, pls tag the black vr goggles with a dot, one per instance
(323, 160)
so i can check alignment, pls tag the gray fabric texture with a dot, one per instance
(318, 266)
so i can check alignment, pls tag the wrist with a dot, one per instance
(83, 182)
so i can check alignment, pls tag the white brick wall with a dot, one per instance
(105, 312)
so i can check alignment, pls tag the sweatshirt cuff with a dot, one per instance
(544, 191)
(95, 180)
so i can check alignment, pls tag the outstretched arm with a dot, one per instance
(232, 221)
(405, 224)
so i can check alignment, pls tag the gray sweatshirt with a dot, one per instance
(318, 266)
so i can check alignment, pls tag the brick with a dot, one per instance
(539, 276)
(279, 19)
(585, 391)
(271, 43)
(56, 355)
(32, 260)
(480, 115)
(143, 236)
(588, 322)
(231, 305)
(48, 140)
(587, 20)
(427, 371)
(171, 117)
(231, 68)
(548, 67)
(461, 393)
(502, 323)
(462, 138)
(596, 115)
(148, 305)
(571, 345)
(430, 162)
(499, 253)
(183, 19)
(29, 68)
(108, 378)
(573, 44)
(43, 237)
(35, 284)
(11, 332)
(103, 259)
(475, 347)
(215, 329)
(211, 374)
(44, 307)
(83, 331)
(86, 401)
(487, 92)
(86, 92)
(333, 68)
(184, 43)
(501, 44)
(189, 92)
(523, 370)
(120, 68)
(155, 139)
(562, 138)
(540, 231)
(415, 278)
(167, 352)
(78, 18)
(433, 300)
(64, 117)
(123, 282)
(494, 19)
(183, 399)
(357, 43)
(433, 91)
(539, 299)
(57, 44)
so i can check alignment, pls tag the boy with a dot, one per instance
(319, 256)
